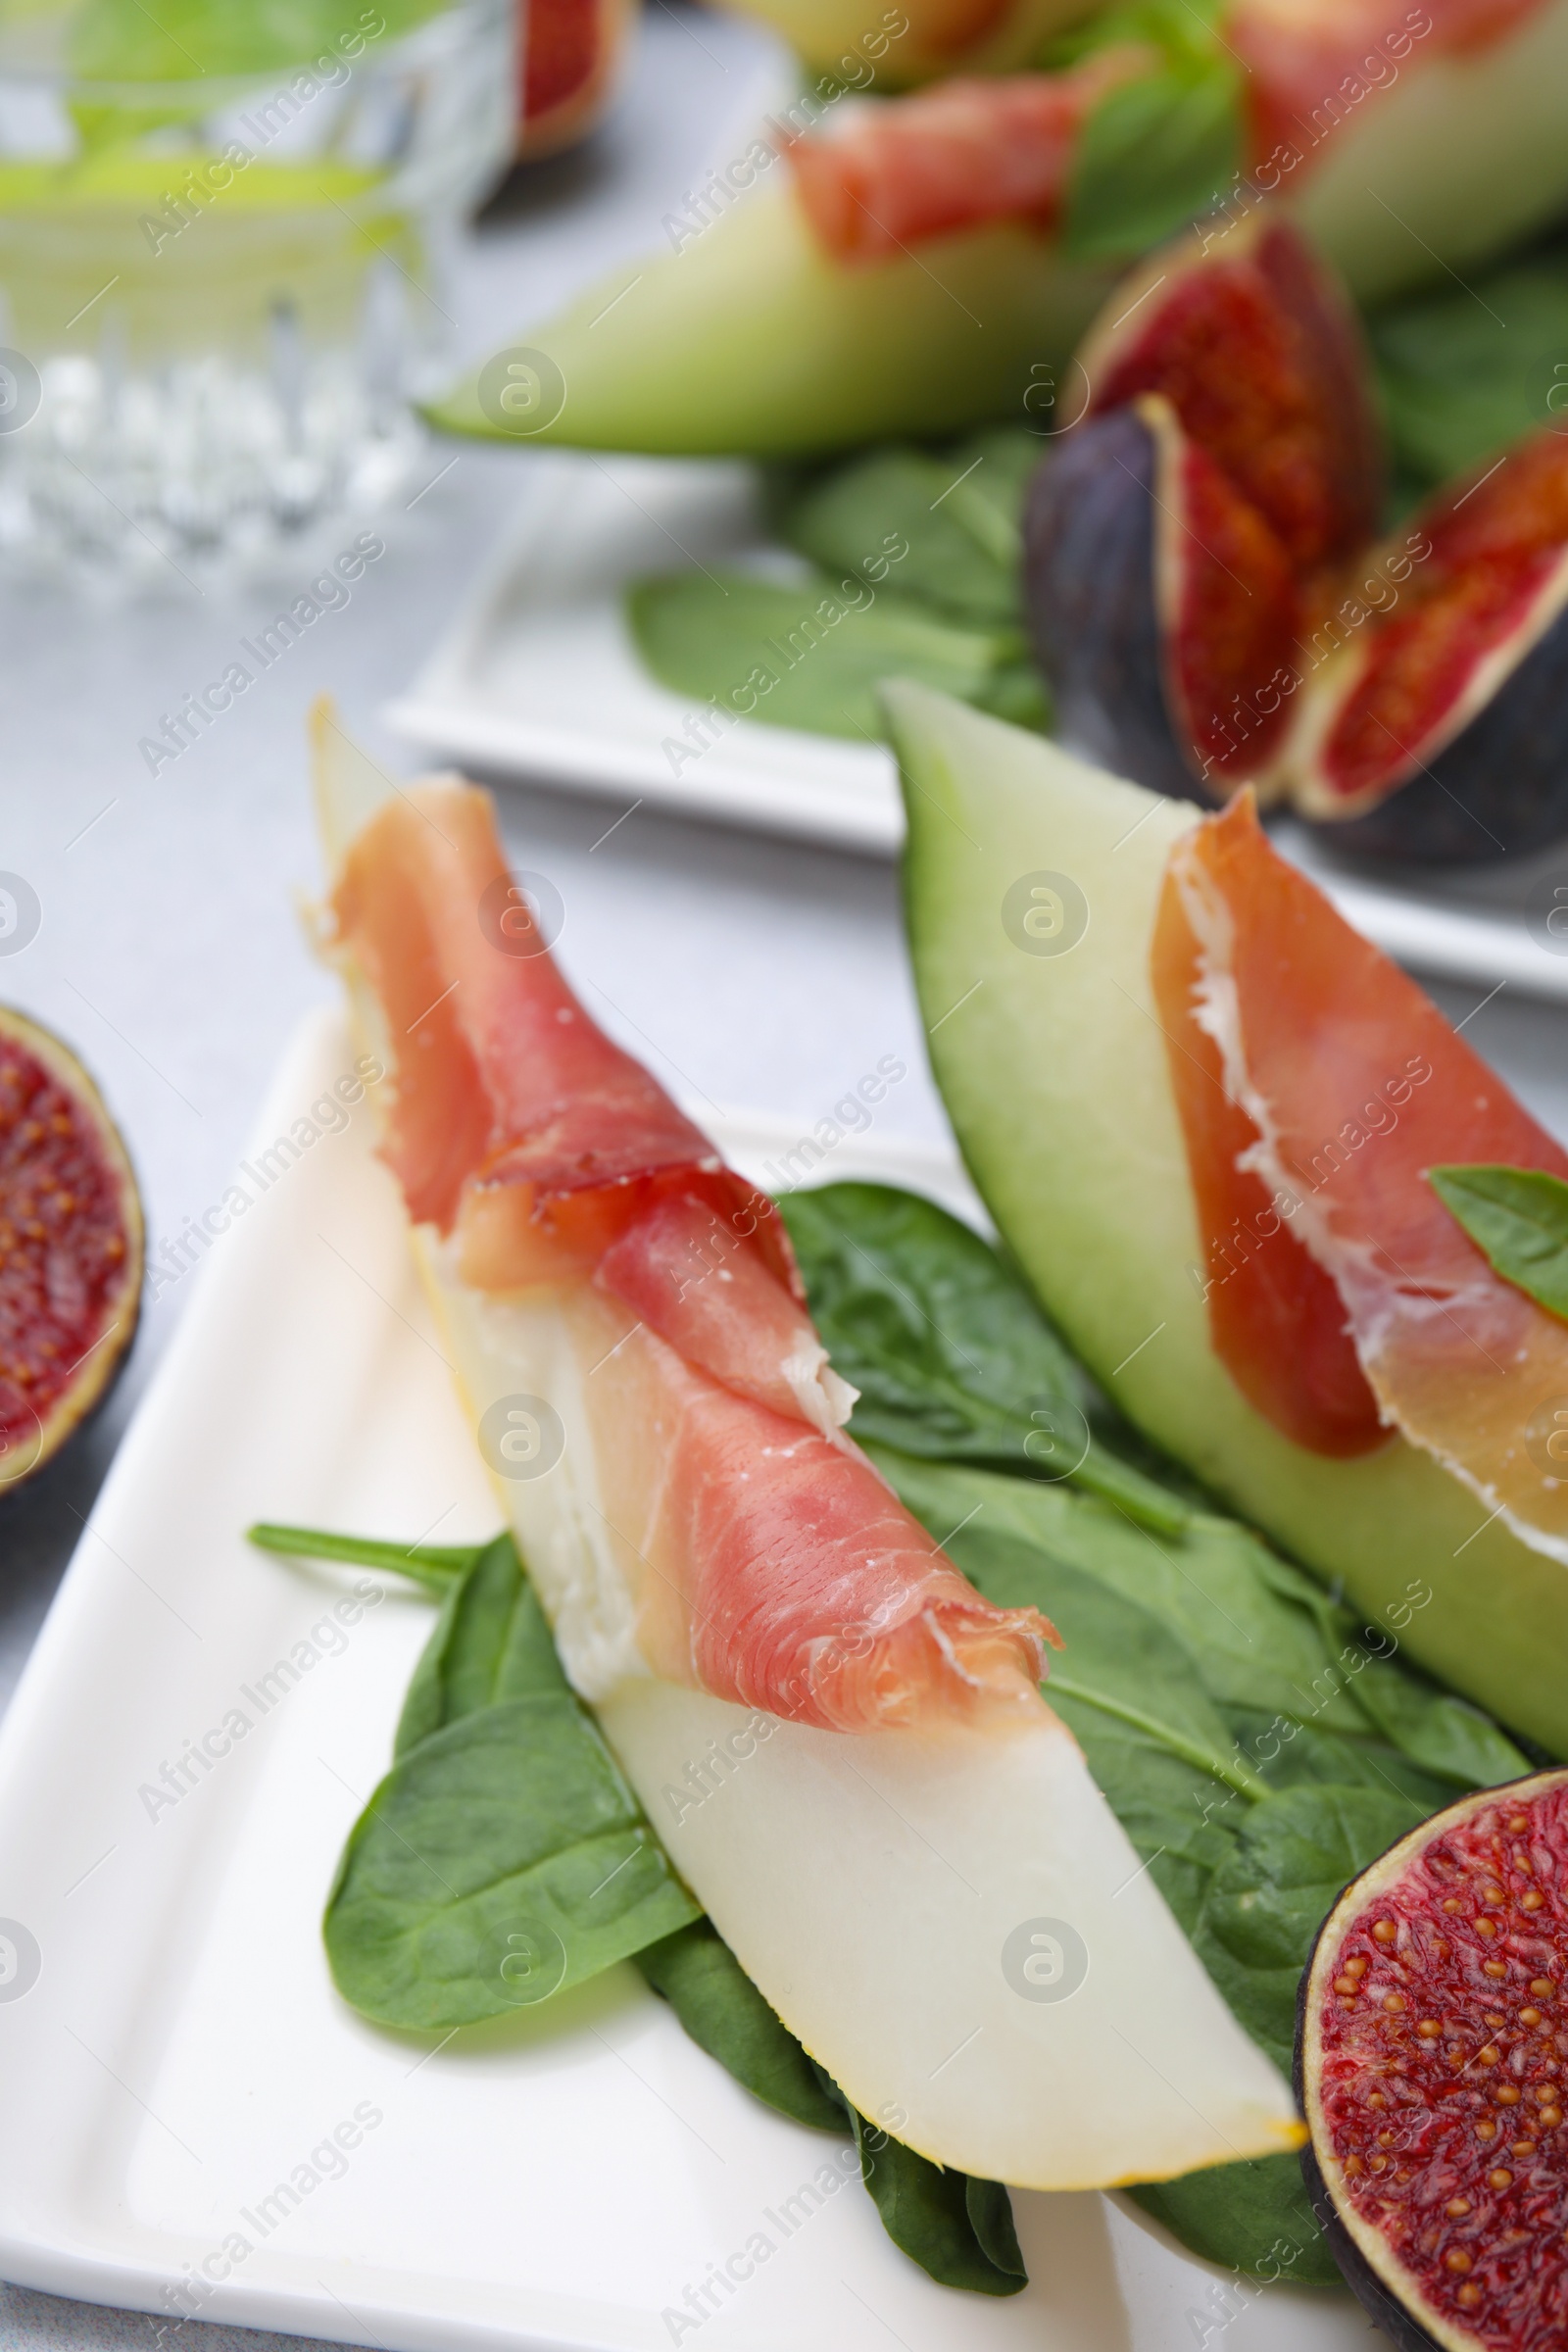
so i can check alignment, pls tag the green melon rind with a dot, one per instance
(749, 341)
(1054, 1073)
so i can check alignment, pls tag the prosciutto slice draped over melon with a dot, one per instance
(1316, 1084)
(973, 151)
(843, 1747)
(761, 1557)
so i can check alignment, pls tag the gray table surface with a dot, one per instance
(762, 975)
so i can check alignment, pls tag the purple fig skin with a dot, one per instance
(1498, 790)
(1359, 2277)
(1090, 600)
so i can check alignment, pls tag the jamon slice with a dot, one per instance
(686, 1271)
(774, 1567)
(510, 1100)
(544, 1156)
(970, 152)
(954, 157)
(738, 1594)
(1316, 1084)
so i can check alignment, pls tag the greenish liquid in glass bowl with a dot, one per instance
(222, 239)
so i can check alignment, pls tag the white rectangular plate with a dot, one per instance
(172, 2080)
(538, 678)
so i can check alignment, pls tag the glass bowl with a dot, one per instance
(224, 239)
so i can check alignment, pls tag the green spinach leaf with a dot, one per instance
(958, 2228)
(1251, 2217)
(1518, 1220)
(469, 1885)
(1011, 455)
(1289, 1859)
(433, 1565)
(492, 1642)
(953, 1358)
(918, 523)
(811, 654)
(1266, 1642)
(503, 1857)
(1465, 370)
(1151, 155)
(502, 1860)
(1255, 1747)
(723, 2011)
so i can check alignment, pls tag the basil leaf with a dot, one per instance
(1464, 371)
(1180, 29)
(502, 1860)
(1252, 2216)
(491, 1642)
(723, 2011)
(959, 2230)
(1518, 1220)
(953, 1358)
(906, 519)
(806, 655)
(1153, 153)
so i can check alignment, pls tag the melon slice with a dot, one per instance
(949, 1915)
(1033, 886)
(744, 333)
(742, 337)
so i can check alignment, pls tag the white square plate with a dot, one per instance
(173, 2079)
(538, 678)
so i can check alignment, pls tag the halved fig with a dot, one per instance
(1250, 339)
(1163, 607)
(571, 56)
(1437, 725)
(1432, 2043)
(1226, 466)
(71, 1248)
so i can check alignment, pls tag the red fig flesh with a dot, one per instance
(1249, 630)
(1432, 2048)
(1464, 684)
(1175, 657)
(1257, 350)
(71, 1248)
(1166, 607)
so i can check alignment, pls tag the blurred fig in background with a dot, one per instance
(572, 57)
(71, 1248)
(1212, 608)
(1226, 466)
(1439, 727)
